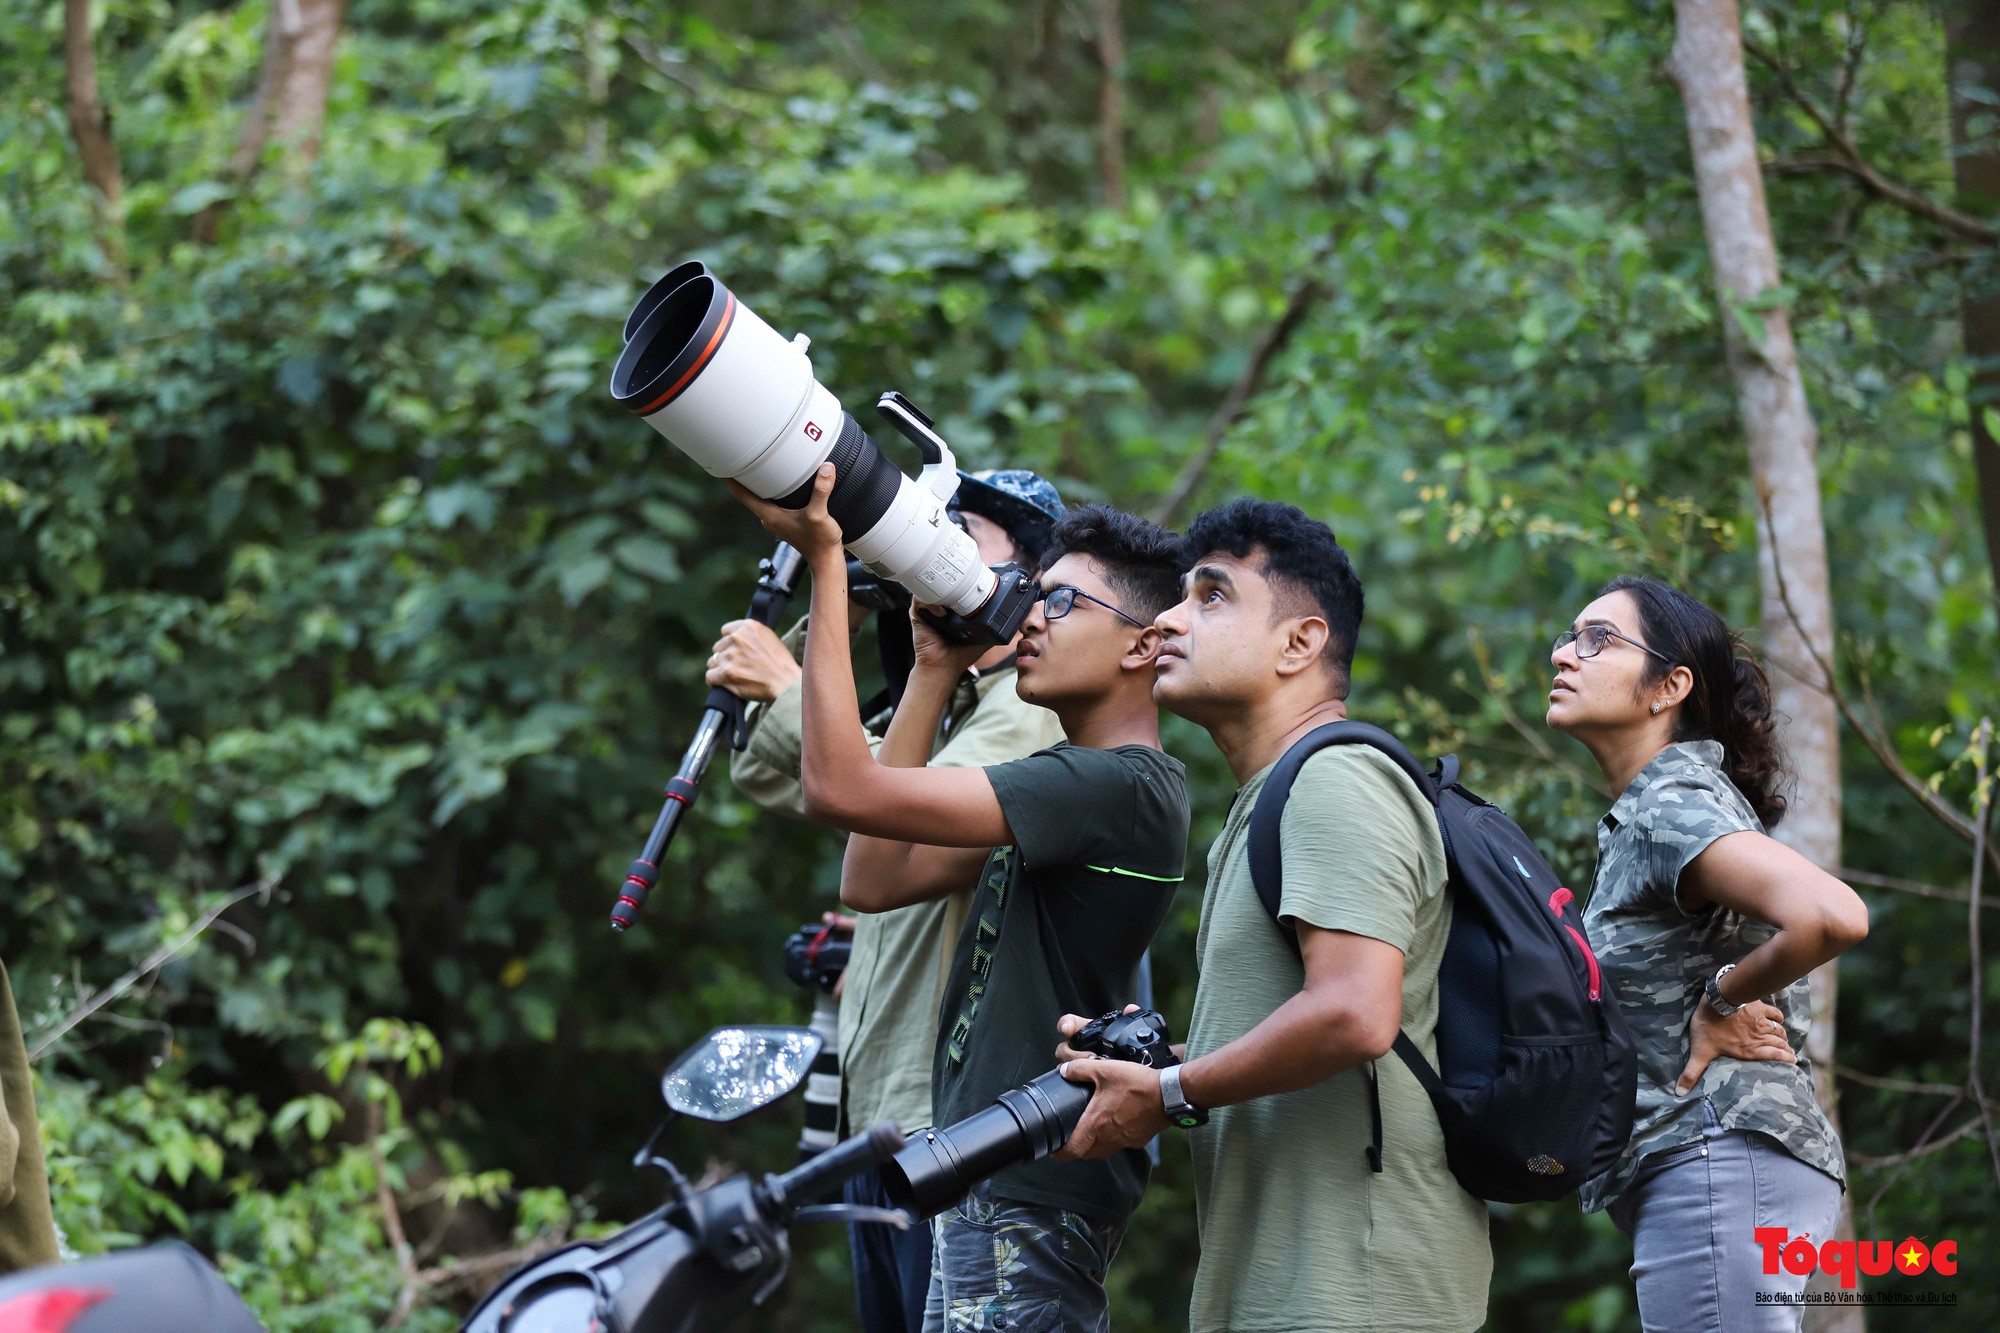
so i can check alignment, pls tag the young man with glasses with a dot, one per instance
(1076, 852)
(889, 995)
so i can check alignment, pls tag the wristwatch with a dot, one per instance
(1712, 988)
(1178, 1110)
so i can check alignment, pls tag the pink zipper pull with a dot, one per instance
(1558, 900)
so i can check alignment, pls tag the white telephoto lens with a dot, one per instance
(725, 389)
(919, 547)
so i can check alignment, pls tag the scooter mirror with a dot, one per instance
(734, 1071)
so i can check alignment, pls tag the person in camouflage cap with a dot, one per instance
(1024, 505)
(1706, 929)
(891, 992)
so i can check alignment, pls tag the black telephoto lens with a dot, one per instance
(937, 1167)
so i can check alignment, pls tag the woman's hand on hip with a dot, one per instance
(1754, 1032)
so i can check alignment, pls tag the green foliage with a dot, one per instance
(325, 557)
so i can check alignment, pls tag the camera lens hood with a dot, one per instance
(671, 336)
(704, 371)
(660, 291)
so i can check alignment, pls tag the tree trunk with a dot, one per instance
(92, 128)
(1111, 100)
(281, 30)
(597, 57)
(292, 86)
(1784, 465)
(300, 114)
(1972, 54)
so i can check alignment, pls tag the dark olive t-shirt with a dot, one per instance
(1058, 922)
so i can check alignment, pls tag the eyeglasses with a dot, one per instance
(1057, 602)
(1592, 640)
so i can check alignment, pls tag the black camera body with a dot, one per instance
(1002, 615)
(816, 955)
(1140, 1037)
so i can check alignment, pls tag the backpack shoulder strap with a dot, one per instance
(1267, 865)
(1267, 862)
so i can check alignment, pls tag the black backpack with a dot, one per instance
(1536, 1079)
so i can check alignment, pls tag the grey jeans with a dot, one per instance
(1018, 1268)
(1692, 1214)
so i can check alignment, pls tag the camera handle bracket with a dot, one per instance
(940, 471)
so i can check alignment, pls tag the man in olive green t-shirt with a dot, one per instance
(890, 993)
(1298, 1233)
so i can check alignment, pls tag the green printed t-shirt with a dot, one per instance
(896, 973)
(1058, 922)
(1297, 1234)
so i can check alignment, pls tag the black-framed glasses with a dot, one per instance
(1593, 639)
(1057, 603)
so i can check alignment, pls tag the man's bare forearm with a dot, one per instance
(881, 861)
(913, 729)
(835, 748)
(1306, 1040)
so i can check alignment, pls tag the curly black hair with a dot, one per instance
(1141, 559)
(1307, 564)
(1731, 698)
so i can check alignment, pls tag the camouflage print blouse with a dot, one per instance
(1656, 954)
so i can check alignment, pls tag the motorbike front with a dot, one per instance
(702, 1256)
(705, 1252)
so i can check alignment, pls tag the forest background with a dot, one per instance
(347, 631)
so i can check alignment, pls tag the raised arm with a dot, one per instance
(881, 873)
(844, 785)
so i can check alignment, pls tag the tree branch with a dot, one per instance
(281, 35)
(1923, 1149)
(154, 961)
(471, 1272)
(1111, 101)
(1850, 65)
(1235, 402)
(1913, 887)
(1903, 1160)
(1982, 802)
(652, 59)
(392, 1221)
(92, 128)
(1898, 1084)
(1877, 745)
(1846, 158)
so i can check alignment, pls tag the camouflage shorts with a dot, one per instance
(1018, 1268)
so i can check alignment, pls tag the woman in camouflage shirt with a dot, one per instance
(1705, 928)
